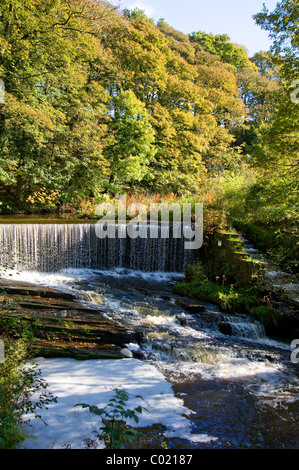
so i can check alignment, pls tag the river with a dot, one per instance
(242, 389)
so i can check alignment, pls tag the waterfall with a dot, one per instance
(241, 325)
(53, 247)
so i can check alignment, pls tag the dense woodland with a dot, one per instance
(101, 102)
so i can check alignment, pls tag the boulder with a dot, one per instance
(182, 319)
(225, 328)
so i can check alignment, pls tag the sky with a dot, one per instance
(232, 17)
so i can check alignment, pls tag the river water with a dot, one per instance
(242, 387)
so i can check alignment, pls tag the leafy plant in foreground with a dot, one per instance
(115, 431)
(22, 391)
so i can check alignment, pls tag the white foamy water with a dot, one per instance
(49, 279)
(94, 382)
(69, 275)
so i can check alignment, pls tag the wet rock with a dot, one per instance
(211, 316)
(182, 319)
(26, 288)
(126, 352)
(155, 294)
(225, 328)
(106, 351)
(139, 354)
(54, 304)
(61, 326)
(191, 307)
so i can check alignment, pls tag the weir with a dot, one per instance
(50, 247)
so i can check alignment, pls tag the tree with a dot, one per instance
(282, 138)
(202, 98)
(101, 101)
(269, 211)
(222, 46)
(50, 113)
(266, 65)
(283, 27)
(132, 137)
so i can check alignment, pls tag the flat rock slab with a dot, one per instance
(79, 351)
(59, 326)
(191, 307)
(54, 304)
(155, 294)
(27, 288)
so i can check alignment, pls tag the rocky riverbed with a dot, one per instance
(58, 325)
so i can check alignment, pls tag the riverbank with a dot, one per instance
(57, 324)
(273, 310)
(234, 275)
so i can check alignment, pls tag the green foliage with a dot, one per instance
(265, 209)
(97, 101)
(19, 382)
(268, 316)
(196, 272)
(130, 153)
(221, 45)
(282, 25)
(52, 120)
(268, 210)
(115, 432)
(228, 297)
(136, 14)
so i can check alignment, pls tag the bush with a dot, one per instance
(18, 382)
(115, 431)
(268, 316)
(229, 298)
(195, 272)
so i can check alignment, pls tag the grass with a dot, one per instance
(228, 298)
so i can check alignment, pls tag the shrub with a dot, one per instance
(229, 298)
(115, 432)
(267, 315)
(19, 380)
(195, 272)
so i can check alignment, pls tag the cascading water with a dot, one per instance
(241, 325)
(52, 247)
(223, 366)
